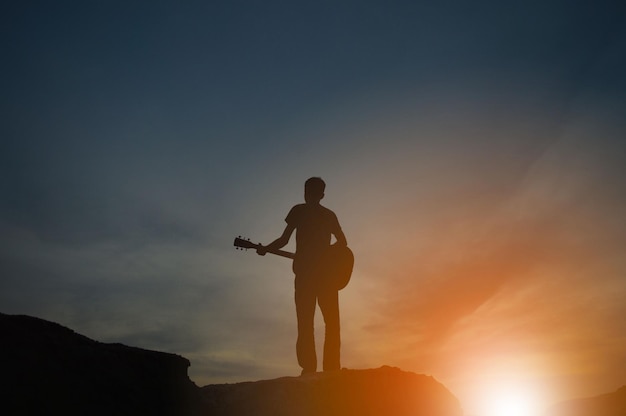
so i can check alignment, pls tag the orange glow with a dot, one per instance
(510, 401)
(486, 290)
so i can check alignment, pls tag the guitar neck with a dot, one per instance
(246, 244)
(282, 253)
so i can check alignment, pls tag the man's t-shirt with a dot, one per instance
(314, 225)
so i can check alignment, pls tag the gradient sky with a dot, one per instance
(474, 152)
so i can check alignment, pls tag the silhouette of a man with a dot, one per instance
(314, 225)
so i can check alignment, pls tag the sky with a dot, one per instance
(475, 154)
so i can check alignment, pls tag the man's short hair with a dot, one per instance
(316, 185)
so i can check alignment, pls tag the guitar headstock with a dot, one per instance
(241, 243)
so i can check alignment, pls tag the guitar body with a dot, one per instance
(336, 265)
(340, 262)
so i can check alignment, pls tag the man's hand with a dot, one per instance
(278, 243)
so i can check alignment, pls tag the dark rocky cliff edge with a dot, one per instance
(50, 369)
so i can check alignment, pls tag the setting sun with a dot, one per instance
(512, 404)
(512, 401)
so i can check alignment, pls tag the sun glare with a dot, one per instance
(514, 402)
(511, 405)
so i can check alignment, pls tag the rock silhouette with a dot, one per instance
(611, 404)
(50, 369)
(383, 391)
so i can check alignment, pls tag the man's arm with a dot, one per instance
(279, 243)
(341, 238)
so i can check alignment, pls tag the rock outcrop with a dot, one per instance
(50, 369)
(373, 392)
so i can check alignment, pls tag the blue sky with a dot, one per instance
(139, 138)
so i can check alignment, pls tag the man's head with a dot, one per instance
(314, 190)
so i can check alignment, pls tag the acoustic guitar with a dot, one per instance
(337, 262)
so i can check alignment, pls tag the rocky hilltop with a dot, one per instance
(50, 369)
(384, 391)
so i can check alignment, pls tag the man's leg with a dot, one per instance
(329, 304)
(305, 311)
